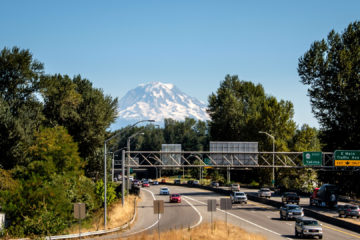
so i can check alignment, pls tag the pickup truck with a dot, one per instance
(290, 197)
(291, 211)
(238, 197)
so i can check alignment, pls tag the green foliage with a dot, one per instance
(191, 134)
(240, 109)
(83, 110)
(20, 112)
(331, 69)
(54, 152)
(110, 191)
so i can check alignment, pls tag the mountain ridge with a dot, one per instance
(156, 100)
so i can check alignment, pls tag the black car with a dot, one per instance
(177, 181)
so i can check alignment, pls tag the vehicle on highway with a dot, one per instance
(136, 182)
(163, 180)
(214, 184)
(291, 211)
(151, 181)
(238, 197)
(145, 184)
(325, 196)
(175, 198)
(349, 211)
(190, 182)
(155, 182)
(290, 197)
(308, 227)
(196, 182)
(164, 191)
(264, 192)
(177, 181)
(235, 187)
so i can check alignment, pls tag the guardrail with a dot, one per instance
(96, 233)
(307, 212)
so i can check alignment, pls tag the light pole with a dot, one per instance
(107, 140)
(113, 162)
(128, 156)
(273, 169)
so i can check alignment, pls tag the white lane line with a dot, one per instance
(142, 230)
(235, 216)
(197, 211)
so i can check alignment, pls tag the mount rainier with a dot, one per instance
(158, 101)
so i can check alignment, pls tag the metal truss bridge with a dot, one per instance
(232, 160)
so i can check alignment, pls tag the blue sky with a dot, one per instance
(192, 44)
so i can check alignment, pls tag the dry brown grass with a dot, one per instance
(201, 232)
(117, 216)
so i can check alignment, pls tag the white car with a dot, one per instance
(164, 191)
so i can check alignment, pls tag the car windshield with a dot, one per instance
(176, 195)
(293, 207)
(164, 189)
(311, 223)
(240, 194)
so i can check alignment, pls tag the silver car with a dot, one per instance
(264, 192)
(308, 227)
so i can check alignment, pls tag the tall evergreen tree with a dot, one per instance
(331, 69)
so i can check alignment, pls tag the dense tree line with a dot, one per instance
(52, 129)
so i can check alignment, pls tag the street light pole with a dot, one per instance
(128, 157)
(105, 190)
(273, 159)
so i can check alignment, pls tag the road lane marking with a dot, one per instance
(240, 218)
(197, 211)
(335, 229)
(142, 230)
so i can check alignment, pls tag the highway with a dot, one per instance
(252, 217)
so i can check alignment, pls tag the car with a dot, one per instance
(155, 182)
(177, 181)
(235, 187)
(163, 180)
(131, 178)
(291, 211)
(151, 181)
(164, 191)
(190, 182)
(238, 197)
(145, 184)
(175, 198)
(308, 227)
(196, 182)
(349, 210)
(214, 184)
(264, 192)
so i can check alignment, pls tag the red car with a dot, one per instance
(175, 198)
(146, 184)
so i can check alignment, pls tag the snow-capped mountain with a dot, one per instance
(158, 101)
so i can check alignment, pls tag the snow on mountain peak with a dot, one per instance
(158, 101)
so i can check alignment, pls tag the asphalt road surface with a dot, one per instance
(252, 217)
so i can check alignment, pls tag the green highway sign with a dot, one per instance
(312, 158)
(347, 158)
